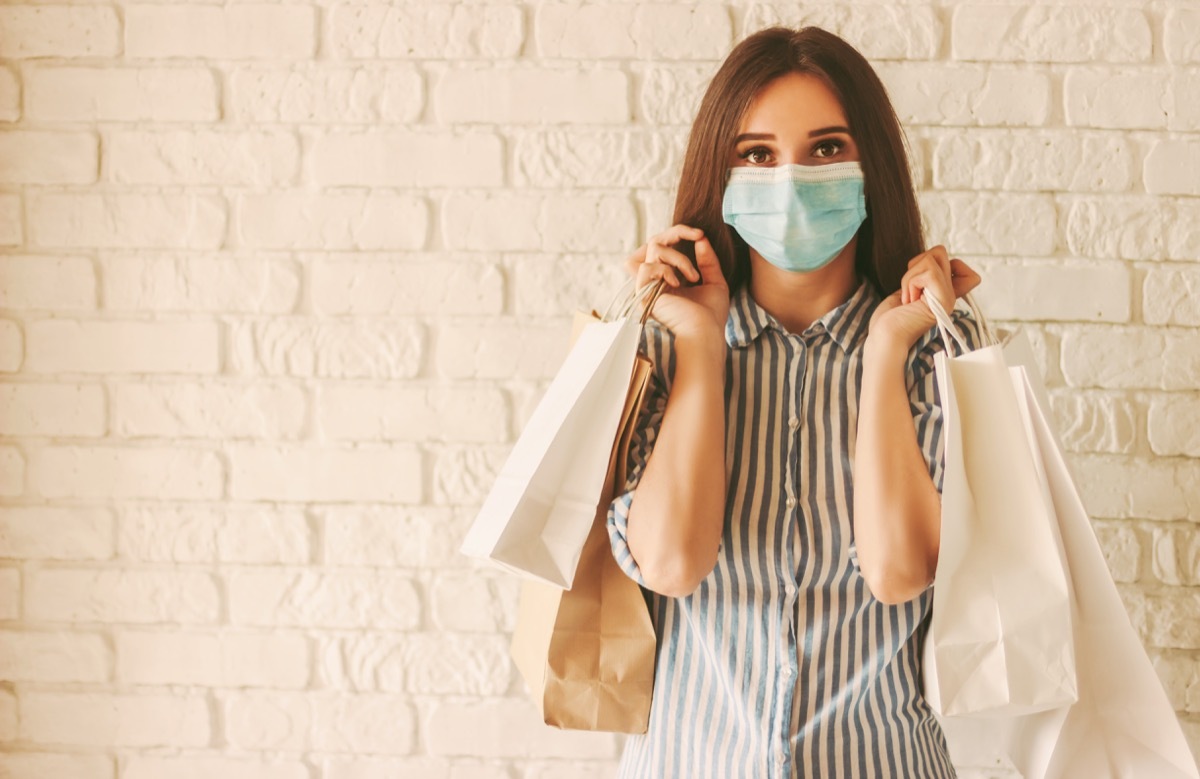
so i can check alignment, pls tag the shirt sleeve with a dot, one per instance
(923, 396)
(656, 343)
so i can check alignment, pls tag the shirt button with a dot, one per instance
(791, 502)
(794, 423)
(787, 671)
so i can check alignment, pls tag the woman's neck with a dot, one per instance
(796, 300)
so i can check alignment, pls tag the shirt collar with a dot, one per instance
(846, 323)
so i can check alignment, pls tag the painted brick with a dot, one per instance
(463, 476)
(446, 284)
(1119, 99)
(1055, 290)
(125, 94)
(1173, 168)
(475, 603)
(125, 472)
(48, 157)
(392, 537)
(942, 94)
(328, 348)
(1122, 546)
(201, 534)
(390, 158)
(1095, 422)
(331, 220)
(113, 346)
(1173, 425)
(12, 233)
(501, 350)
(1171, 296)
(223, 411)
(1130, 357)
(46, 765)
(272, 597)
(31, 31)
(12, 349)
(1171, 621)
(1040, 33)
(1042, 161)
(433, 664)
(546, 285)
(1176, 555)
(1126, 488)
(525, 95)
(53, 533)
(226, 659)
(1181, 35)
(614, 158)
(878, 30)
(244, 31)
(343, 767)
(111, 595)
(323, 722)
(201, 766)
(200, 157)
(47, 283)
(126, 220)
(417, 414)
(302, 473)
(332, 94)
(507, 727)
(10, 95)
(450, 30)
(10, 609)
(670, 93)
(53, 409)
(968, 223)
(1183, 106)
(12, 472)
(115, 720)
(45, 656)
(1133, 228)
(567, 222)
(653, 30)
(220, 283)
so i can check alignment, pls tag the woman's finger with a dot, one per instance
(930, 282)
(963, 278)
(675, 233)
(708, 263)
(652, 271)
(672, 257)
(634, 261)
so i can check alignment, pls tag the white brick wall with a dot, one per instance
(280, 283)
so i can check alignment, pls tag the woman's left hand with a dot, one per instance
(903, 317)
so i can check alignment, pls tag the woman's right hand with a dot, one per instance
(697, 310)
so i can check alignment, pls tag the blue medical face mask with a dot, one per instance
(798, 217)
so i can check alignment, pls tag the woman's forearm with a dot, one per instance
(897, 508)
(678, 509)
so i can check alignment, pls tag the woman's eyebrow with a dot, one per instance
(754, 136)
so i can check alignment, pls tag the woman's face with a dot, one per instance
(794, 119)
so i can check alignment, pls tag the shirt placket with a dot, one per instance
(788, 651)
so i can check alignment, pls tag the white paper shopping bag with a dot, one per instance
(1123, 725)
(538, 514)
(1000, 636)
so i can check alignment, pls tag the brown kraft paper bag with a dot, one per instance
(587, 654)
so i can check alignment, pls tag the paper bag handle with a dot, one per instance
(946, 325)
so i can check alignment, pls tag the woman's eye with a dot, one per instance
(750, 154)
(827, 148)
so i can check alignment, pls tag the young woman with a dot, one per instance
(783, 500)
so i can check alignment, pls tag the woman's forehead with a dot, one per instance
(793, 102)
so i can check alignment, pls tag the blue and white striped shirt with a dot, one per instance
(782, 663)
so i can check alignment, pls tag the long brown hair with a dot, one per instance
(891, 234)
